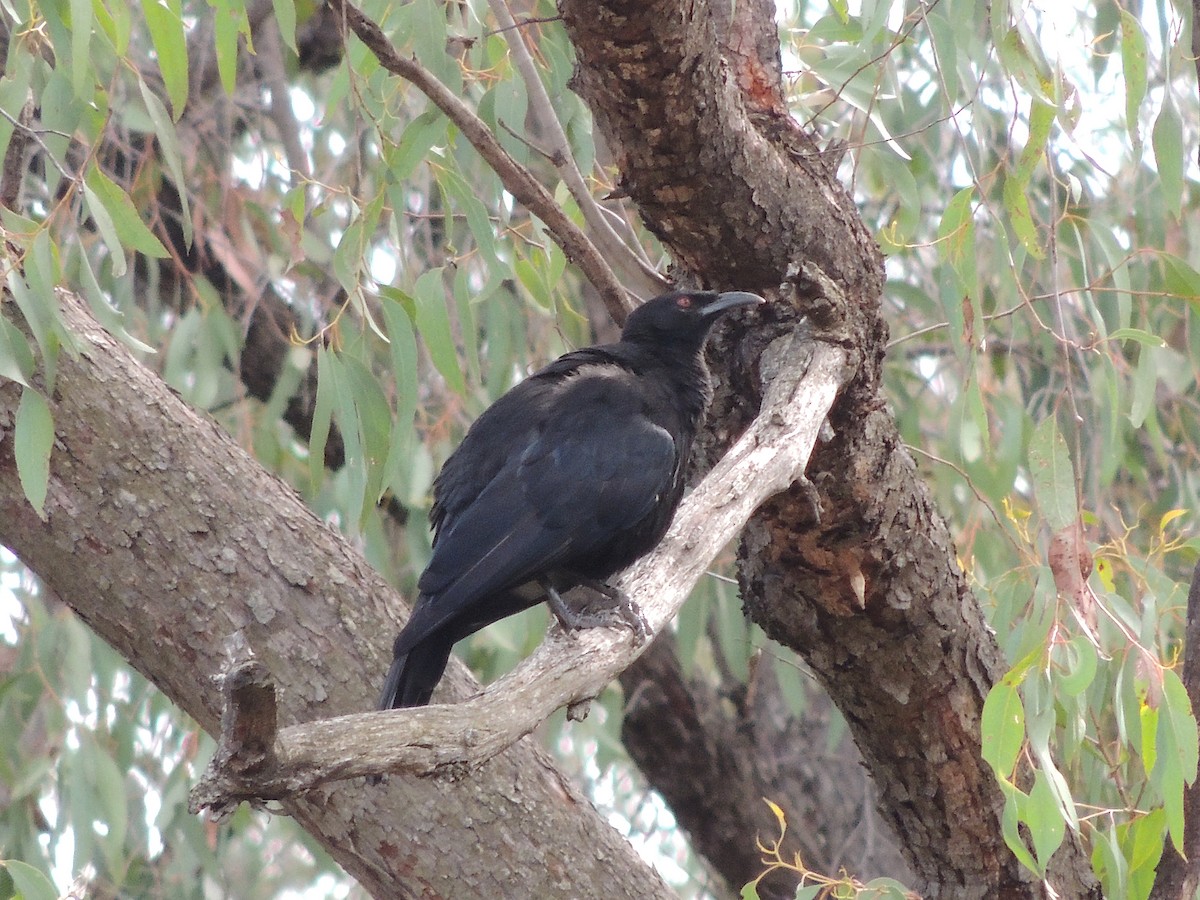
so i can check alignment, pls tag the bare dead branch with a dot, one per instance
(565, 670)
(517, 179)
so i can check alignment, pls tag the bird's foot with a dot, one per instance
(616, 609)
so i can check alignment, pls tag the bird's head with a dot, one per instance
(682, 317)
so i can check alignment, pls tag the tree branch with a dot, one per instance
(639, 265)
(871, 595)
(566, 670)
(516, 179)
(166, 538)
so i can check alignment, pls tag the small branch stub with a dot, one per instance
(246, 752)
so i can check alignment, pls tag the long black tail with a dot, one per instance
(415, 673)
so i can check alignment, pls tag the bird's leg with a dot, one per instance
(566, 618)
(619, 611)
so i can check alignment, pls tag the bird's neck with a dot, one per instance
(684, 373)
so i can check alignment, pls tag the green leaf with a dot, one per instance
(1178, 723)
(346, 414)
(467, 298)
(1170, 782)
(1145, 840)
(1041, 117)
(1148, 716)
(1178, 752)
(117, 22)
(123, 219)
(433, 323)
(884, 889)
(1109, 861)
(1002, 728)
(374, 423)
(1014, 812)
(460, 197)
(1133, 63)
(168, 142)
(403, 344)
(1145, 338)
(31, 883)
(689, 629)
(1053, 476)
(1026, 64)
(16, 357)
(355, 244)
(1017, 207)
(82, 76)
(1180, 279)
(285, 15)
(1046, 825)
(1145, 381)
(41, 315)
(1077, 663)
(165, 22)
(33, 440)
(1167, 139)
(230, 23)
(956, 239)
(322, 415)
(112, 797)
(420, 136)
(531, 279)
(106, 314)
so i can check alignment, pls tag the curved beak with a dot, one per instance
(730, 299)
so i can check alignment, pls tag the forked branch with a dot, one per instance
(254, 763)
(517, 179)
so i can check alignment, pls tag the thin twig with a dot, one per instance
(524, 23)
(516, 179)
(270, 61)
(564, 162)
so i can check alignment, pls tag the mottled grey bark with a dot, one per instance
(167, 538)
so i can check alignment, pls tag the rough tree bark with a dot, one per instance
(871, 594)
(849, 834)
(801, 773)
(167, 539)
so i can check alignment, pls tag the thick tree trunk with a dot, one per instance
(168, 539)
(870, 593)
(716, 753)
(268, 329)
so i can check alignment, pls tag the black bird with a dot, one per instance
(564, 481)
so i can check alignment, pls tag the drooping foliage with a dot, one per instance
(1028, 173)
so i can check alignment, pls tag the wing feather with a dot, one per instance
(589, 467)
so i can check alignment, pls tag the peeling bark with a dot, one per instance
(870, 593)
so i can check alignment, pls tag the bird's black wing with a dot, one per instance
(502, 432)
(592, 467)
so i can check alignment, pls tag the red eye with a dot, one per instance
(684, 302)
